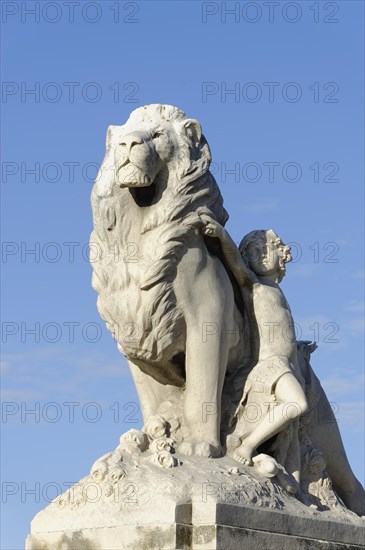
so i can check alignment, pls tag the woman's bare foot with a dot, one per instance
(244, 454)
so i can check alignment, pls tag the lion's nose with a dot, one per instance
(130, 140)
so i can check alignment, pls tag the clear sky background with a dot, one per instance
(292, 131)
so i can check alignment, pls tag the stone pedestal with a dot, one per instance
(132, 501)
(211, 526)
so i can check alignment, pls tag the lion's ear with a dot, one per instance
(193, 131)
(109, 136)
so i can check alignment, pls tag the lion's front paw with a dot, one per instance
(199, 448)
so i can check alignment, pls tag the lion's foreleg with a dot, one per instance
(208, 308)
(204, 383)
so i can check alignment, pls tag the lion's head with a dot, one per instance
(154, 182)
(155, 142)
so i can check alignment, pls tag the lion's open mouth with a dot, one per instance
(143, 196)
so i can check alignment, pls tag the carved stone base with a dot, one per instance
(210, 526)
(145, 500)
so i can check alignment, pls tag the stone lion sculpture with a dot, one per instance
(187, 309)
(169, 294)
(152, 188)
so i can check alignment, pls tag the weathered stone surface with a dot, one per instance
(214, 526)
(160, 536)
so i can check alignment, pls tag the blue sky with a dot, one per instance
(291, 130)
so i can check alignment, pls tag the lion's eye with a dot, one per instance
(157, 134)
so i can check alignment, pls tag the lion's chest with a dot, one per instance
(139, 251)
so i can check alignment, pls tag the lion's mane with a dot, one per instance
(136, 295)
